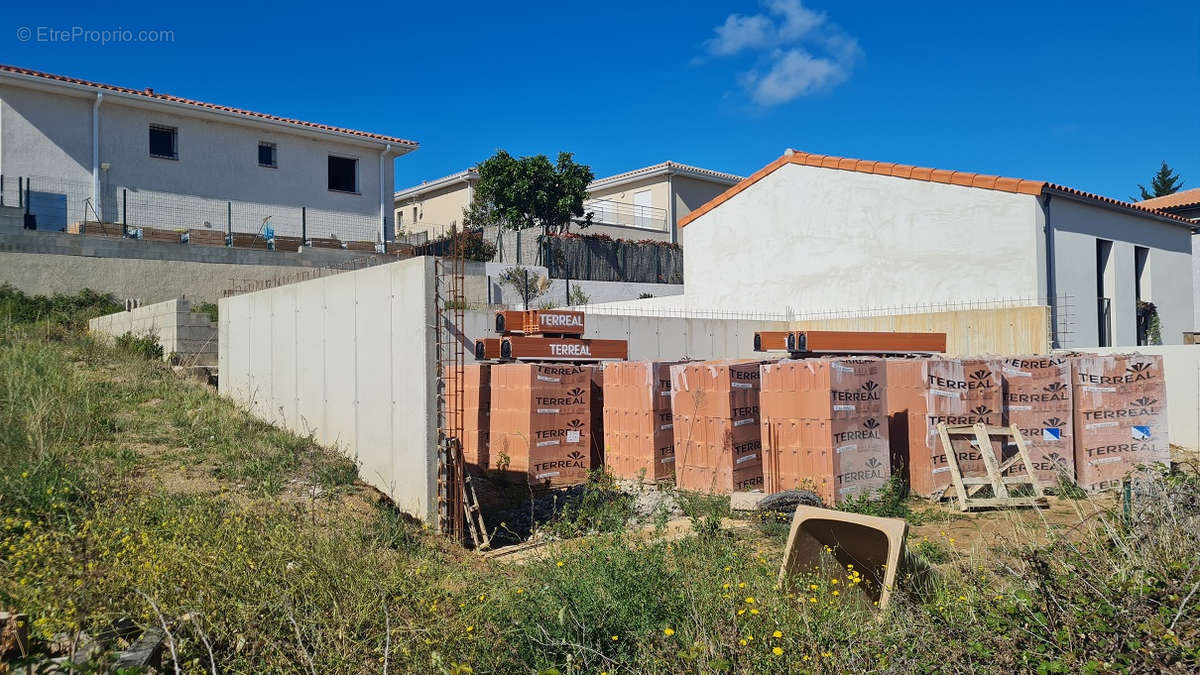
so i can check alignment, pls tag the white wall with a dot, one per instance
(50, 134)
(346, 358)
(809, 239)
(1077, 226)
(1181, 366)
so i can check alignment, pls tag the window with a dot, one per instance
(416, 218)
(343, 174)
(642, 212)
(1104, 285)
(164, 142)
(1141, 290)
(266, 154)
(399, 217)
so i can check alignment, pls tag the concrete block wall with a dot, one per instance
(192, 336)
(348, 359)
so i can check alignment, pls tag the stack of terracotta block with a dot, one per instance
(476, 421)
(922, 393)
(1037, 398)
(824, 427)
(1120, 416)
(541, 422)
(718, 446)
(638, 425)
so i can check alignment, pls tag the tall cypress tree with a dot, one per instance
(1165, 182)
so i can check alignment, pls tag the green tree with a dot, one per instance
(1165, 182)
(526, 192)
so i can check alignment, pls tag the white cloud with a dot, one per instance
(799, 51)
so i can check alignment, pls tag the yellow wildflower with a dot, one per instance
(669, 631)
(777, 651)
(777, 634)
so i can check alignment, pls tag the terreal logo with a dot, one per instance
(1145, 402)
(870, 385)
(1054, 422)
(981, 411)
(981, 378)
(574, 424)
(1055, 387)
(871, 423)
(1137, 368)
(874, 463)
(575, 455)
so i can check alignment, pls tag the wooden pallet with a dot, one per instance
(206, 237)
(967, 487)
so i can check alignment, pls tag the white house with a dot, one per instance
(92, 151)
(644, 203)
(814, 233)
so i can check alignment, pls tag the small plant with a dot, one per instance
(1068, 489)
(934, 552)
(139, 346)
(209, 308)
(577, 296)
(887, 503)
(528, 285)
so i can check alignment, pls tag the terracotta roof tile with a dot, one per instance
(963, 178)
(1182, 198)
(151, 95)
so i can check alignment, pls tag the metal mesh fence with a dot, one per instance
(57, 204)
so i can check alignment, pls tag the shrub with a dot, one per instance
(139, 346)
(209, 308)
(73, 310)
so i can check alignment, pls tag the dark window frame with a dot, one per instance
(162, 128)
(354, 188)
(274, 163)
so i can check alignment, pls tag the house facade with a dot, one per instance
(812, 233)
(645, 203)
(89, 151)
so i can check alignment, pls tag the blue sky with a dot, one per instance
(1091, 95)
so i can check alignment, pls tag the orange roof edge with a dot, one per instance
(908, 172)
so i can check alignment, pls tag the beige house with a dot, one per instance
(645, 203)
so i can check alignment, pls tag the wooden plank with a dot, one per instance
(206, 237)
(1024, 453)
(952, 462)
(985, 451)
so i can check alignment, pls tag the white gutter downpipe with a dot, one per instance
(96, 156)
(383, 192)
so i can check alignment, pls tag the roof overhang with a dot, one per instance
(466, 177)
(133, 99)
(1117, 205)
(664, 169)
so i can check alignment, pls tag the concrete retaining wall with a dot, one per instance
(44, 263)
(1181, 363)
(663, 339)
(192, 336)
(347, 358)
(482, 288)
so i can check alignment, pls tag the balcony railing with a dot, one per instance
(607, 212)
